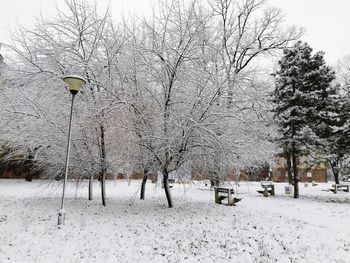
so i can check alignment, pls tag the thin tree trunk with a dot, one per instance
(229, 93)
(295, 175)
(103, 166)
(29, 175)
(167, 189)
(214, 181)
(103, 190)
(215, 175)
(335, 170)
(289, 169)
(91, 184)
(143, 185)
(27, 166)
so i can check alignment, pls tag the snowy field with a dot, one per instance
(314, 228)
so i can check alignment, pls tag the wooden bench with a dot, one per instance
(342, 187)
(222, 193)
(268, 188)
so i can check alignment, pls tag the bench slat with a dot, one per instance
(343, 187)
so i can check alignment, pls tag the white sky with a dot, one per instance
(327, 22)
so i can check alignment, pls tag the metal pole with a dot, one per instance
(61, 213)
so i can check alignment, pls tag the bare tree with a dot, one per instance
(245, 31)
(177, 88)
(81, 42)
(343, 74)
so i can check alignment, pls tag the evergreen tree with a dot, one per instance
(303, 105)
(337, 139)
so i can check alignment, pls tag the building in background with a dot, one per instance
(309, 169)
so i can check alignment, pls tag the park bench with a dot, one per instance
(342, 187)
(268, 188)
(222, 193)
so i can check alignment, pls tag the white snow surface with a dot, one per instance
(314, 228)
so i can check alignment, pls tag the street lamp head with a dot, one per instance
(74, 83)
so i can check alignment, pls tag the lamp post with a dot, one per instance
(74, 84)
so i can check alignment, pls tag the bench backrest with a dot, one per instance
(340, 185)
(224, 190)
(266, 183)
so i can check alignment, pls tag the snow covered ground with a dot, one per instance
(314, 228)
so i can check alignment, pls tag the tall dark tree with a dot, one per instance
(302, 102)
(328, 115)
(335, 133)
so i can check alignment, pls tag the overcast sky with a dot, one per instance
(327, 22)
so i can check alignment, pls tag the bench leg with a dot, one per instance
(229, 198)
(266, 192)
(231, 202)
(217, 197)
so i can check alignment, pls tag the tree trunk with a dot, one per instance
(91, 184)
(143, 185)
(103, 166)
(229, 92)
(335, 170)
(27, 166)
(214, 181)
(103, 189)
(215, 174)
(167, 189)
(29, 175)
(289, 169)
(295, 175)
